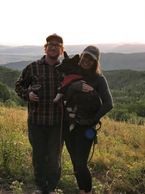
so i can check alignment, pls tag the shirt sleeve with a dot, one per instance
(22, 84)
(106, 98)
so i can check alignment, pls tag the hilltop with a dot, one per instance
(109, 61)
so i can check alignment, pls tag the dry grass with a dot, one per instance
(118, 163)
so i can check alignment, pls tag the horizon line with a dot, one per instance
(117, 43)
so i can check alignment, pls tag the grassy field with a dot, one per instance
(117, 166)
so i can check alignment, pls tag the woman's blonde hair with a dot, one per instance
(98, 67)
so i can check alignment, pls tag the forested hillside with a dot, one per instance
(126, 80)
(118, 79)
(8, 76)
(127, 87)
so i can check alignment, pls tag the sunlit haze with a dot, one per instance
(29, 22)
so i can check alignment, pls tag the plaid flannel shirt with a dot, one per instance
(44, 112)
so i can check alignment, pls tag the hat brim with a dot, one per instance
(89, 53)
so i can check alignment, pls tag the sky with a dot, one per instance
(29, 22)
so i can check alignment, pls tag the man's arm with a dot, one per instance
(23, 83)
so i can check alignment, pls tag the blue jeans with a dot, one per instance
(46, 145)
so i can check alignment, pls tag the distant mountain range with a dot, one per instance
(113, 56)
(109, 61)
(119, 61)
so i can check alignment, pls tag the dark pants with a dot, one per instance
(46, 145)
(79, 148)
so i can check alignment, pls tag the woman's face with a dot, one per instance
(86, 61)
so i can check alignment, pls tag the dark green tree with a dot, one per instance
(4, 92)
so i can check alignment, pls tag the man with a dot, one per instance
(38, 85)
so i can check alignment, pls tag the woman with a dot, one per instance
(79, 140)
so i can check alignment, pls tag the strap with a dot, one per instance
(100, 125)
(95, 141)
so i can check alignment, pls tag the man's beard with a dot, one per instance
(54, 57)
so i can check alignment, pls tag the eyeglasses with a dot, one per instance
(54, 45)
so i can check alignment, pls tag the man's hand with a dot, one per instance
(33, 97)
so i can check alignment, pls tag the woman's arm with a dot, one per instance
(106, 98)
(103, 92)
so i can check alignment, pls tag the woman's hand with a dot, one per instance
(86, 87)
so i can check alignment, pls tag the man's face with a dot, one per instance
(53, 49)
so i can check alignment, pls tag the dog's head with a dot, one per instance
(68, 64)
